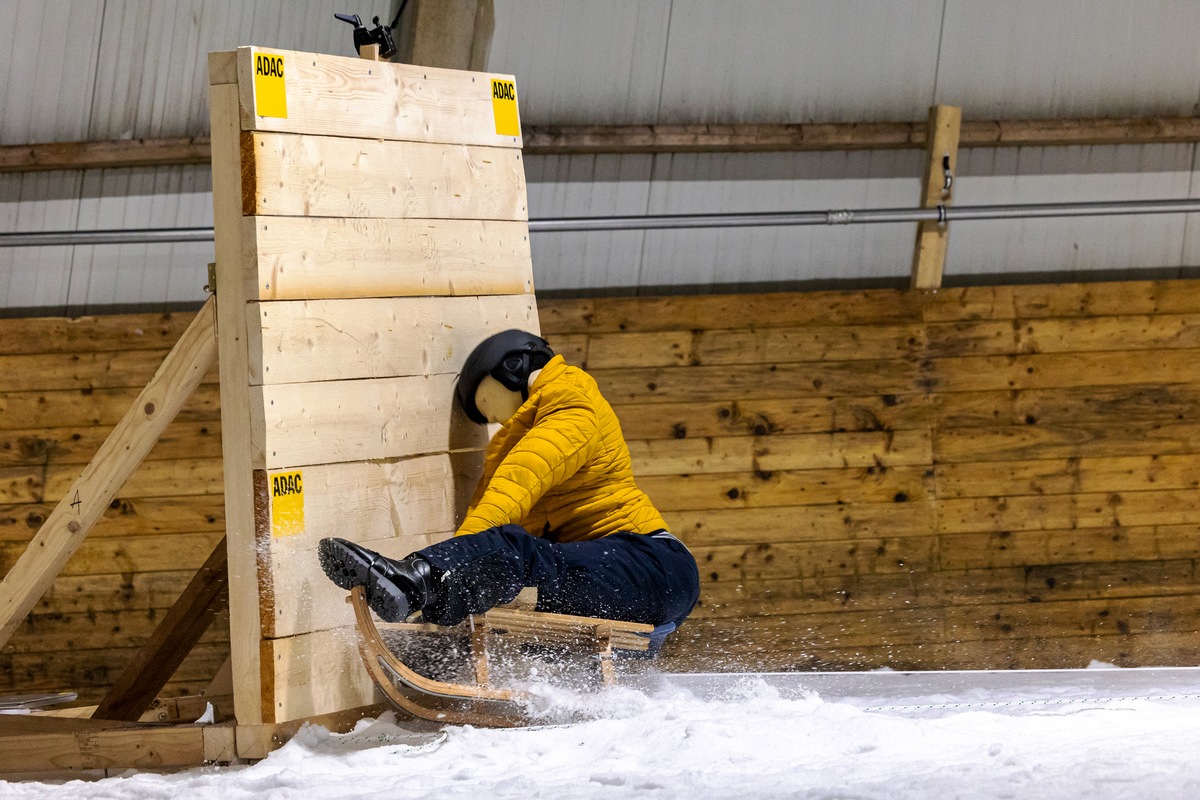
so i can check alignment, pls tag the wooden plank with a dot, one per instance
(1159, 332)
(323, 423)
(124, 517)
(1105, 544)
(1115, 405)
(104, 407)
(824, 136)
(732, 645)
(314, 673)
(78, 446)
(392, 507)
(102, 630)
(788, 488)
(754, 346)
(1068, 476)
(108, 556)
(941, 160)
(731, 651)
(36, 745)
(72, 594)
(187, 620)
(48, 483)
(752, 526)
(69, 524)
(1040, 301)
(93, 669)
(369, 257)
(764, 455)
(1107, 299)
(334, 340)
(1063, 370)
(71, 335)
(1045, 441)
(769, 382)
(752, 417)
(769, 560)
(334, 95)
(1108, 617)
(960, 587)
(44, 156)
(326, 176)
(1053, 512)
(301, 599)
(225, 114)
(705, 312)
(104, 370)
(595, 139)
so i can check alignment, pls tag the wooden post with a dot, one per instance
(85, 502)
(190, 616)
(929, 253)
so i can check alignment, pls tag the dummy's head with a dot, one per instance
(495, 378)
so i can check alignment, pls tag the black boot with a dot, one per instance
(395, 589)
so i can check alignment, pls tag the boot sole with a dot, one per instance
(347, 567)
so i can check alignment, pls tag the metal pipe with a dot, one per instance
(868, 216)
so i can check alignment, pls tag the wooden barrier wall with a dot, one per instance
(977, 478)
(64, 384)
(371, 229)
(981, 478)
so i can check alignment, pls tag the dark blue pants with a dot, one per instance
(625, 576)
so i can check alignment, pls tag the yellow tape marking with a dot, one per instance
(287, 503)
(504, 108)
(270, 95)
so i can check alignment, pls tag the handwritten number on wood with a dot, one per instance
(77, 502)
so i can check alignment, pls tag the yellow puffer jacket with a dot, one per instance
(560, 467)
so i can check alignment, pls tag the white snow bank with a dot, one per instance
(749, 743)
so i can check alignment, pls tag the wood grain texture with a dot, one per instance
(328, 94)
(298, 258)
(325, 176)
(337, 340)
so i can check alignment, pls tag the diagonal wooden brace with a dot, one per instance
(131, 440)
(205, 596)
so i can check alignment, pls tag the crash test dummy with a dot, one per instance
(557, 508)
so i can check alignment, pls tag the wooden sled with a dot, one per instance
(481, 703)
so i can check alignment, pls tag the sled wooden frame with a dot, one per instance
(480, 703)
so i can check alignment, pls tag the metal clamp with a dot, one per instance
(949, 176)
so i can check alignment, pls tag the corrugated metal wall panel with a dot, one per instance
(581, 186)
(104, 69)
(779, 182)
(122, 276)
(800, 60)
(583, 62)
(1070, 174)
(1071, 58)
(48, 71)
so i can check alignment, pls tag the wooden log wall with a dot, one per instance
(977, 478)
(981, 478)
(64, 384)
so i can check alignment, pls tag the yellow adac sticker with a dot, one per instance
(287, 503)
(270, 96)
(504, 108)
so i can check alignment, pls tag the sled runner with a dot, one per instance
(481, 703)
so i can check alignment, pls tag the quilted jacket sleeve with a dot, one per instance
(564, 436)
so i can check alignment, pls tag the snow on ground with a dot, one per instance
(749, 740)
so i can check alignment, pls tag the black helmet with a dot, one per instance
(508, 357)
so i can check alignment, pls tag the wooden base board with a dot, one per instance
(31, 743)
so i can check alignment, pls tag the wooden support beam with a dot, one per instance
(189, 618)
(87, 499)
(738, 138)
(929, 252)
